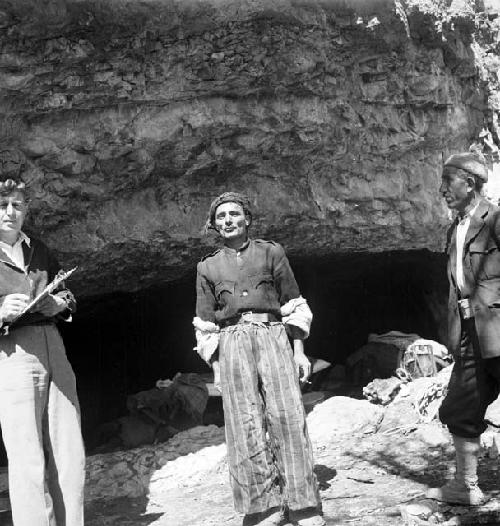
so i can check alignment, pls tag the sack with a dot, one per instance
(416, 362)
(373, 360)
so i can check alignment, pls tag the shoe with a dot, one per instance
(271, 517)
(457, 492)
(307, 517)
(463, 489)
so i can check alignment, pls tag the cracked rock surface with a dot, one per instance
(127, 118)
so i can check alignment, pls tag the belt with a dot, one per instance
(249, 317)
(465, 309)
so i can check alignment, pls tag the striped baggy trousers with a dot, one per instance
(269, 451)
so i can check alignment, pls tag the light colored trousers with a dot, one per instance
(269, 451)
(40, 420)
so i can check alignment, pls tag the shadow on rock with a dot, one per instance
(120, 511)
(129, 473)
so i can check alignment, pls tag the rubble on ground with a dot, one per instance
(428, 512)
(128, 473)
(369, 465)
(374, 463)
(187, 471)
(382, 390)
(341, 415)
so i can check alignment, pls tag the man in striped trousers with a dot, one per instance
(248, 309)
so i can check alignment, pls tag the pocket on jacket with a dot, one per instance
(485, 260)
(261, 280)
(263, 285)
(223, 286)
(479, 246)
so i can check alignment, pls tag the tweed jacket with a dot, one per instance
(481, 266)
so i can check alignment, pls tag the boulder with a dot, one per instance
(433, 434)
(186, 471)
(128, 473)
(341, 415)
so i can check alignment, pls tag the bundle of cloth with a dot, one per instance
(386, 355)
(157, 414)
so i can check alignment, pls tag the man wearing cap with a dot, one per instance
(473, 243)
(248, 306)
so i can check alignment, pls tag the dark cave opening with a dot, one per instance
(123, 343)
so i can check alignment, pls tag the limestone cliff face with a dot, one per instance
(128, 117)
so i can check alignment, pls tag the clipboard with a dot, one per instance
(60, 277)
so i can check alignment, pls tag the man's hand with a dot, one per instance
(216, 369)
(302, 364)
(12, 306)
(50, 305)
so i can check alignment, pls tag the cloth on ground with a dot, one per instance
(384, 354)
(186, 394)
(157, 414)
(373, 360)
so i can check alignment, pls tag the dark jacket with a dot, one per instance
(41, 268)
(257, 278)
(481, 264)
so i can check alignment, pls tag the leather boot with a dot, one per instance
(463, 489)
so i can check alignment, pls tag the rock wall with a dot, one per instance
(128, 117)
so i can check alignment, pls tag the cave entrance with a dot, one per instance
(120, 344)
(353, 295)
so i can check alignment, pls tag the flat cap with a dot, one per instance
(471, 162)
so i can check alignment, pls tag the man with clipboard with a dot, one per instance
(39, 411)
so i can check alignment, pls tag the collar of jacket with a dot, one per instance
(27, 247)
(241, 249)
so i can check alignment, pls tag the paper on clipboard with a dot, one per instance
(60, 277)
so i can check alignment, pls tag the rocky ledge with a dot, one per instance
(127, 117)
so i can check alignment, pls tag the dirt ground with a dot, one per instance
(364, 480)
